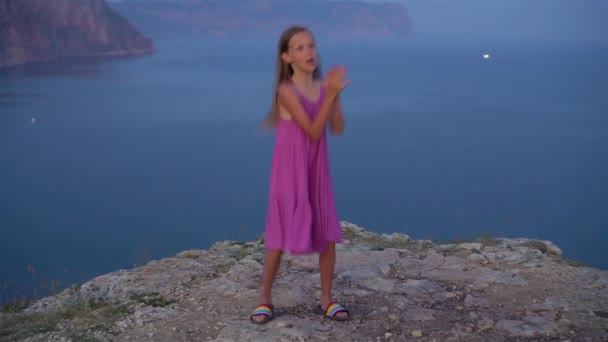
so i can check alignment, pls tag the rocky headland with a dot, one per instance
(397, 289)
(40, 30)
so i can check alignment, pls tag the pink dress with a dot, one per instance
(302, 215)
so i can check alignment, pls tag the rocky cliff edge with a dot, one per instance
(397, 289)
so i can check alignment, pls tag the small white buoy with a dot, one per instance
(486, 55)
(33, 121)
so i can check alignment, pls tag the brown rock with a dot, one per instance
(38, 30)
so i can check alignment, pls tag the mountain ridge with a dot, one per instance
(214, 18)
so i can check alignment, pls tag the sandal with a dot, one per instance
(332, 309)
(263, 309)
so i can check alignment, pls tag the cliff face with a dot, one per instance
(396, 288)
(266, 17)
(40, 30)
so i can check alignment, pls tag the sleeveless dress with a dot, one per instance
(302, 215)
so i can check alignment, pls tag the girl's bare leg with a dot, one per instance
(271, 266)
(327, 262)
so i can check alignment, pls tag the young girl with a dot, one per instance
(302, 216)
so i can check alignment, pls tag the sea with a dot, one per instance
(107, 164)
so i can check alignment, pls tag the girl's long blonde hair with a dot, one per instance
(284, 71)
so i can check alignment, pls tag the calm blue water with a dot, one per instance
(136, 159)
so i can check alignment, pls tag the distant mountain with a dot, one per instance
(222, 18)
(41, 30)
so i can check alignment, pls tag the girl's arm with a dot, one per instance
(314, 129)
(337, 118)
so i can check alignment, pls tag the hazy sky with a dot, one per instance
(512, 19)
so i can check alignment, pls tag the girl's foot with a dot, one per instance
(263, 313)
(334, 311)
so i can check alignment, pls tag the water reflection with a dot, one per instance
(67, 68)
(72, 67)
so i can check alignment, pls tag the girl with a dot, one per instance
(302, 217)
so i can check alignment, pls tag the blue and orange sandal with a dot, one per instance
(332, 309)
(263, 309)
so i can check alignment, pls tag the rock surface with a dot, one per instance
(396, 289)
(41, 30)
